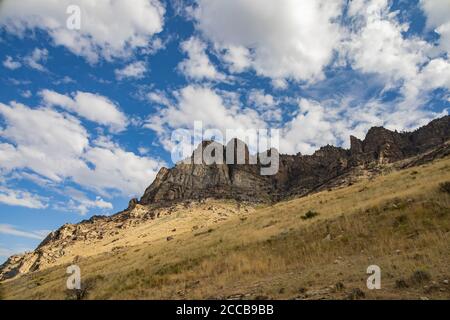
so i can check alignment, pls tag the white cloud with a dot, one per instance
(378, 45)
(143, 150)
(158, 98)
(115, 168)
(21, 198)
(26, 94)
(197, 66)
(109, 29)
(266, 104)
(93, 107)
(11, 230)
(278, 39)
(438, 18)
(261, 99)
(135, 70)
(4, 252)
(7, 252)
(238, 58)
(55, 146)
(218, 110)
(64, 80)
(317, 124)
(47, 142)
(309, 130)
(279, 83)
(80, 203)
(33, 60)
(36, 58)
(11, 64)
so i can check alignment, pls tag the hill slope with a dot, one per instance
(317, 246)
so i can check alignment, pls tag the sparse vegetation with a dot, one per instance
(86, 286)
(356, 294)
(445, 187)
(392, 221)
(419, 277)
(309, 215)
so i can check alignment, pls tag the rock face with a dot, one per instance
(242, 180)
(297, 174)
(218, 180)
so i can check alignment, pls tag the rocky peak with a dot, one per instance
(356, 145)
(297, 174)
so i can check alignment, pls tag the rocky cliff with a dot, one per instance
(189, 183)
(297, 174)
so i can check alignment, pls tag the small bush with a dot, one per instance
(400, 220)
(445, 187)
(420, 276)
(309, 215)
(339, 286)
(356, 294)
(86, 287)
(401, 284)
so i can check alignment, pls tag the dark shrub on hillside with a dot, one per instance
(309, 215)
(445, 187)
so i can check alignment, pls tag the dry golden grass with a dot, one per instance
(399, 221)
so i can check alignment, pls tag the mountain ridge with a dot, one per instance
(299, 175)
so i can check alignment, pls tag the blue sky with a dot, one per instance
(86, 115)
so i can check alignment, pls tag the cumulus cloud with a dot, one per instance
(46, 141)
(21, 198)
(280, 40)
(438, 19)
(218, 110)
(266, 104)
(157, 97)
(109, 29)
(135, 70)
(310, 129)
(378, 45)
(318, 123)
(36, 59)
(112, 167)
(93, 107)
(11, 64)
(57, 147)
(238, 58)
(79, 202)
(197, 66)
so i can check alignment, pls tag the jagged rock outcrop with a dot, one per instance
(297, 174)
(242, 180)
(218, 180)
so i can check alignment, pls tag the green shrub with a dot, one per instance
(309, 215)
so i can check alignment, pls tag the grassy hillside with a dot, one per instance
(314, 247)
